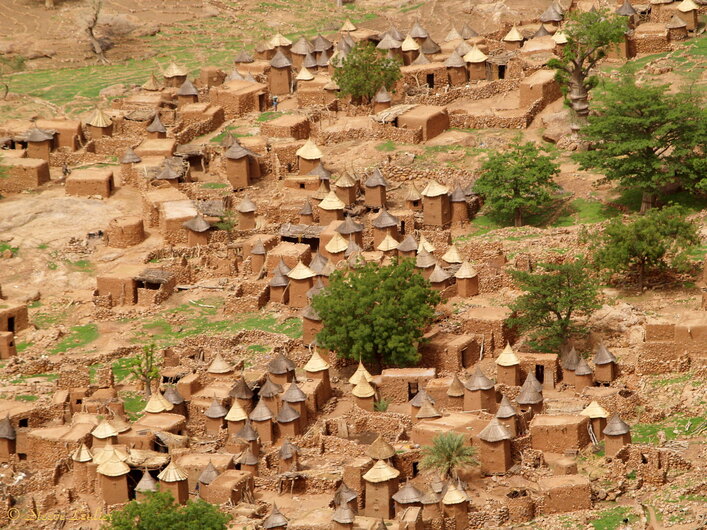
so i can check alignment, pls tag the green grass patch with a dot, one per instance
(585, 211)
(674, 427)
(133, 403)
(214, 185)
(82, 265)
(613, 518)
(92, 373)
(47, 319)
(386, 146)
(34, 305)
(42, 246)
(79, 337)
(22, 346)
(6, 246)
(26, 397)
(121, 370)
(268, 116)
(258, 348)
(631, 199)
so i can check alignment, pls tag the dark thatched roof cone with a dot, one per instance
(216, 410)
(208, 475)
(616, 426)
(479, 381)
(408, 494)
(495, 432)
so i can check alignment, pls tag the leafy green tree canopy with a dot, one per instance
(517, 181)
(555, 296)
(590, 34)
(447, 455)
(376, 314)
(644, 137)
(364, 71)
(159, 511)
(646, 243)
(145, 367)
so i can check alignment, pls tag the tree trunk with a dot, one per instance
(518, 218)
(148, 388)
(578, 98)
(647, 201)
(641, 273)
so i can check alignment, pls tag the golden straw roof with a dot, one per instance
(332, 202)
(409, 44)
(345, 181)
(304, 75)
(456, 387)
(348, 26)
(236, 412)
(381, 472)
(363, 389)
(413, 194)
(151, 84)
(389, 243)
(465, 271)
(687, 5)
(508, 357)
(513, 35)
(301, 272)
(82, 454)
(476, 56)
(316, 363)
(560, 37)
(157, 404)
(99, 119)
(279, 40)
(104, 430)
(105, 453)
(454, 495)
(173, 70)
(336, 244)
(434, 189)
(360, 371)
(595, 410)
(452, 255)
(219, 366)
(309, 151)
(172, 473)
(113, 467)
(425, 245)
(380, 449)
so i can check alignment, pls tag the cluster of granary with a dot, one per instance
(118, 460)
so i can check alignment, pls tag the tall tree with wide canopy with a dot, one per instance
(364, 71)
(376, 313)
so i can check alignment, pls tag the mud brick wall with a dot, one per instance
(298, 131)
(186, 129)
(466, 121)
(378, 131)
(482, 90)
(650, 44)
(659, 357)
(447, 176)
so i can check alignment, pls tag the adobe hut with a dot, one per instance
(513, 39)
(104, 434)
(241, 166)
(280, 74)
(460, 208)
(480, 393)
(124, 232)
(436, 205)
(346, 188)
(301, 281)
(175, 75)
(242, 393)
(384, 224)
(331, 208)
(343, 518)
(457, 72)
(306, 213)
(406, 497)
(477, 64)
(530, 399)
(507, 416)
(617, 433)
(604, 365)
(308, 157)
(495, 448)
(147, 484)
(8, 437)
(455, 393)
(351, 230)
(261, 419)
(297, 399)
(289, 455)
(275, 519)
(198, 231)
(187, 94)
(174, 479)
(407, 248)
(113, 480)
(277, 288)
(215, 418)
(288, 420)
(391, 46)
(375, 190)
(258, 255)
(439, 278)
(597, 418)
(248, 462)
(364, 394)
(40, 143)
(467, 280)
(583, 376)
(269, 394)
(381, 484)
(90, 181)
(236, 418)
(431, 120)
(508, 367)
(425, 262)
(382, 100)
(156, 130)
(299, 50)
(413, 199)
(246, 214)
(569, 363)
(456, 506)
(99, 125)
(677, 29)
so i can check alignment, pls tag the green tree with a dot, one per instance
(160, 511)
(145, 367)
(590, 34)
(646, 243)
(517, 181)
(364, 71)
(646, 138)
(554, 296)
(376, 314)
(447, 454)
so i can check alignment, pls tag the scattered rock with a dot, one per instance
(113, 91)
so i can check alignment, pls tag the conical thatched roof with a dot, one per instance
(208, 475)
(345, 181)
(408, 494)
(508, 357)
(429, 47)
(532, 382)
(172, 395)
(559, 37)
(281, 364)
(261, 412)
(452, 255)
(280, 60)
(454, 495)
(104, 430)
(288, 450)
(156, 125)
(349, 226)
(456, 387)
(626, 9)
(463, 48)
(420, 60)
(376, 179)
(287, 414)
(235, 75)
(247, 432)
(506, 409)
(306, 208)
(294, 394)
(583, 368)
(246, 206)
(434, 189)
(157, 404)
(332, 202)
(113, 467)
(388, 244)
(197, 224)
(316, 363)
(427, 411)
(302, 47)
(439, 275)
(243, 57)
(99, 119)
(408, 244)
(275, 519)
(241, 390)
(363, 389)
(494, 432)
(321, 44)
(468, 32)
(425, 260)
(336, 244)
(147, 483)
(270, 389)
(687, 5)
(309, 151)
(475, 56)
(388, 43)
(542, 32)
(344, 494)
(174, 70)
(81, 454)
(602, 355)
(529, 396)
(347, 26)
(425, 245)
(219, 366)
(278, 279)
(412, 194)
(458, 194)
(247, 458)
(409, 44)
(570, 360)
(236, 412)
(236, 151)
(360, 372)
(172, 473)
(381, 472)
(420, 398)
(452, 35)
(343, 514)
(616, 426)
(380, 449)
(320, 171)
(385, 220)
(676, 23)
(304, 75)
(595, 410)
(479, 381)
(283, 268)
(454, 61)
(215, 410)
(466, 271)
(513, 35)
(187, 89)
(418, 32)
(151, 84)
(311, 314)
(551, 14)
(279, 40)
(130, 157)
